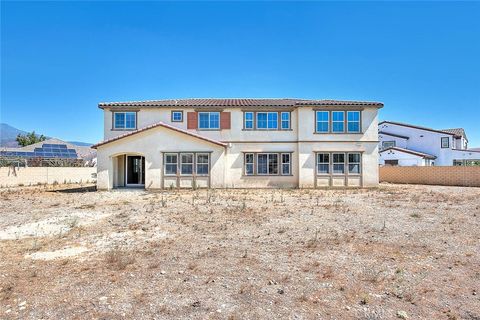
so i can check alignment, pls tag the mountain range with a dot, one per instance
(8, 134)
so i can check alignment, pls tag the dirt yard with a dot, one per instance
(394, 252)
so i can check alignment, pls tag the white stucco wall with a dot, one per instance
(404, 159)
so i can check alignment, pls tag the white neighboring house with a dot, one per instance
(240, 143)
(402, 144)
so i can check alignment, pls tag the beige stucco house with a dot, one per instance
(238, 143)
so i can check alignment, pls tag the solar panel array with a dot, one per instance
(46, 151)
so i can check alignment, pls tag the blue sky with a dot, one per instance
(59, 59)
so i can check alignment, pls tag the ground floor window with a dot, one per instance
(466, 162)
(338, 163)
(391, 162)
(186, 163)
(271, 163)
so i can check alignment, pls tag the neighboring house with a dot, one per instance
(239, 143)
(409, 145)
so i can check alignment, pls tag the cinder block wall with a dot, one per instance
(10, 177)
(444, 176)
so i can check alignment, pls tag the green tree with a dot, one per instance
(29, 138)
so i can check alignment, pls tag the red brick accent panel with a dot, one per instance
(224, 120)
(443, 176)
(192, 120)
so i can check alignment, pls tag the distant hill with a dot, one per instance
(8, 134)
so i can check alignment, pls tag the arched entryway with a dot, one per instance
(129, 171)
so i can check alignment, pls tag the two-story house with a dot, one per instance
(403, 144)
(238, 143)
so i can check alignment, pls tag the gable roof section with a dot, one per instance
(234, 103)
(416, 153)
(159, 124)
(460, 132)
(418, 127)
(394, 135)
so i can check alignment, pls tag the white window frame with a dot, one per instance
(268, 121)
(269, 157)
(170, 163)
(339, 163)
(197, 164)
(174, 112)
(445, 139)
(289, 163)
(333, 122)
(252, 120)
(288, 121)
(324, 163)
(182, 163)
(252, 163)
(359, 163)
(124, 127)
(359, 121)
(209, 113)
(317, 121)
(386, 142)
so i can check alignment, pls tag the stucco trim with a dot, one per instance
(164, 125)
(415, 153)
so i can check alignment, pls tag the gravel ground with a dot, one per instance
(393, 252)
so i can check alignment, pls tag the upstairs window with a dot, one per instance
(338, 121)
(209, 120)
(285, 117)
(323, 121)
(267, 120)
(248, 121)
(353, 121)
(445, 141)
(177, 116)
(124, 120)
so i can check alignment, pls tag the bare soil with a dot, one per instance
(381, 253)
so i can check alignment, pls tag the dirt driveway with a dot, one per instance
(393, 252)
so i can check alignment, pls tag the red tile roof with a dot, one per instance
(159, 124)
(243, 102)
(417, 127)
(460, 132)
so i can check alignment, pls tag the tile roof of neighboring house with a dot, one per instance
(394, 135)
(159, 124)
(244, 102)
(416, 153)
(418, 127)
(457, 131)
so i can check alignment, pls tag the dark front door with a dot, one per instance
(135, 170)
